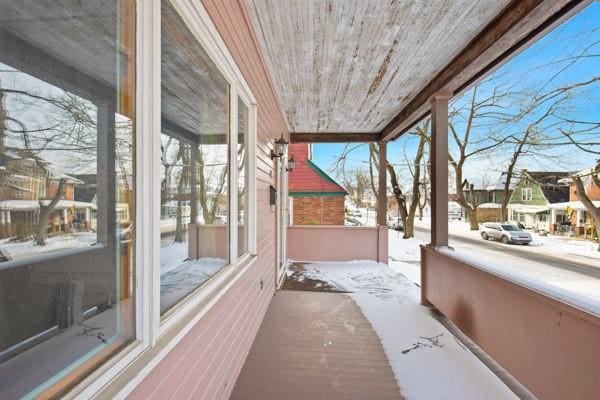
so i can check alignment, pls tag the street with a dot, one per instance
(535, 256)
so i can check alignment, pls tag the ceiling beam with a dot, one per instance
(333, 137)
(29, 59)
(518, 25)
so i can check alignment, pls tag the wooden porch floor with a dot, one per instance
(315, 345)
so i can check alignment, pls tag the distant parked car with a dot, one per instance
(506, 233)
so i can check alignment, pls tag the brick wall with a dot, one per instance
(322, 210)
(592, 190)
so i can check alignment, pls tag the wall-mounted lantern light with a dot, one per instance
(280, 147)
(291, 164)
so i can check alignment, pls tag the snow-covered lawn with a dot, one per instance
(574, 288)
(405, 256)
(18, 250)
(390, 301)
(566, 246)
(556, 245)
(180, 276)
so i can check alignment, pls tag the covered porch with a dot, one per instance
(355, 330)
(516, 332)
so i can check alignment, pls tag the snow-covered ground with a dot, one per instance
(405, 255)
(18, 250)
(377, 280)
(573, 288)
(180, 276)
(551, 244)
(428, 362)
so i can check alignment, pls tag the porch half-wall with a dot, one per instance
(551, 347)
(207, 361)
(337, 243)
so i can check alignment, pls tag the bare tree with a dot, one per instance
(407, 210)
(357, 183)
(182, 185)
(594, 177)
(214, 181)
(462, 123)
(41, 233)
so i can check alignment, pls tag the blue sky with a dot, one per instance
(528, 71)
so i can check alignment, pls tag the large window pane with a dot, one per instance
(195, 163)
(242, 165)
(67, 72)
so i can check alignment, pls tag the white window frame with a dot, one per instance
(200, 25)
(150, 327)
(527, 194)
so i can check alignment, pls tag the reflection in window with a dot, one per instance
(242, 165)
(66, 190)
(194, 161)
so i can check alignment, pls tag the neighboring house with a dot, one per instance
(315, 198)
(24, 183)
(489, 198)
(532, 196)
(571, 217)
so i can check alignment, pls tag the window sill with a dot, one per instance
(125, 377)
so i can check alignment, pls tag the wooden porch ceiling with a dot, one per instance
(356, 70)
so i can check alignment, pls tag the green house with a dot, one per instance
(534, 192)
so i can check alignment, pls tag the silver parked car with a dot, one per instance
(506, 233)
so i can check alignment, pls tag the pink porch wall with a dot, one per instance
(210, 240)
(550, 347)
(206, 363)
(337, 243)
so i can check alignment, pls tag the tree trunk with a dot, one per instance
(473, 222)
(587, 202)
(3, 117)
(41, 232)
(181, 185)
(373, 161)
(469, 208)
(400, 199)
(409, 228)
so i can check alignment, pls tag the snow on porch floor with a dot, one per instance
(310, 346)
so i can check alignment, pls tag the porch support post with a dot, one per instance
(193, 184)
(106, 193)
(382, 186)
(439, 169)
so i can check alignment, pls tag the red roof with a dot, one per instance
(307, 177)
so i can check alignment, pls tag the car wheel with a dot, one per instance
(505, 240)
(484, 236)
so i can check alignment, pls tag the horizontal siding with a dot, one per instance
(206, 362)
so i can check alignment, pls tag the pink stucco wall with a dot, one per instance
(337, 243)
(550, 347)
(206, 362)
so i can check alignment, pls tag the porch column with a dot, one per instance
(106, 184)
(552, 220)
(193, 184)
(439, 169)
(382, 186)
